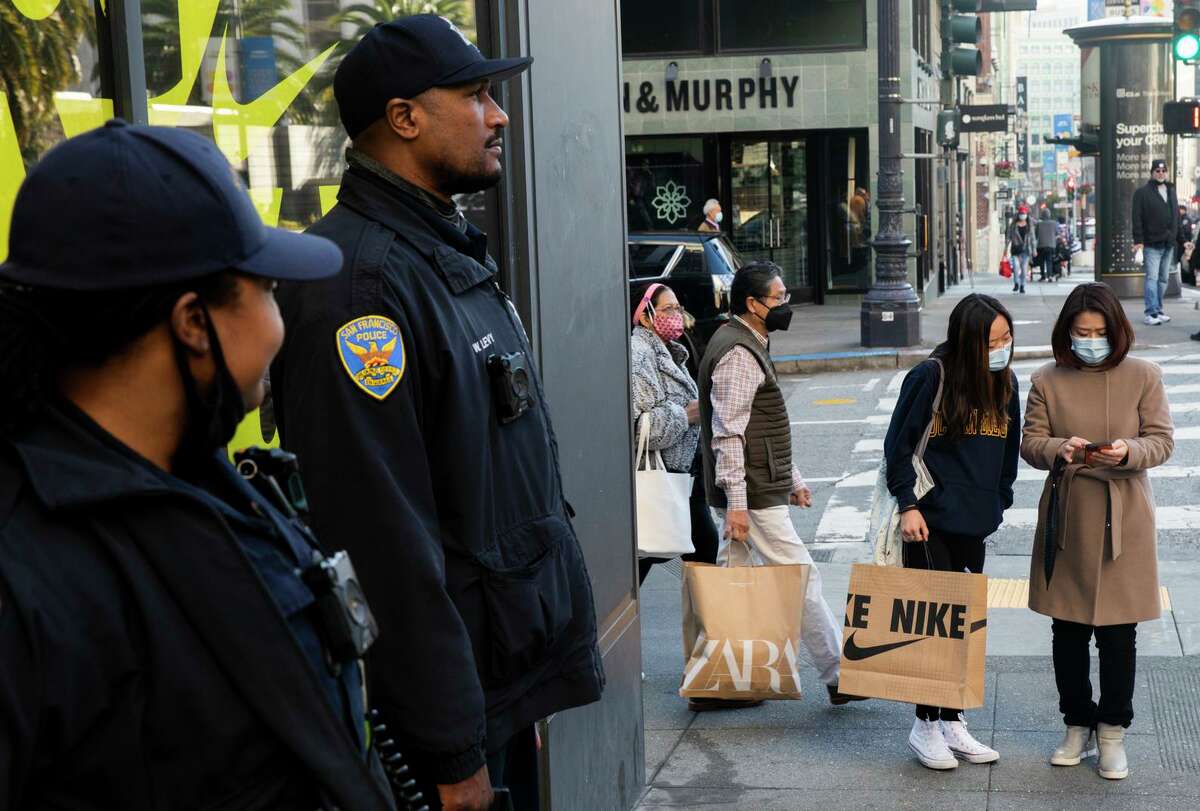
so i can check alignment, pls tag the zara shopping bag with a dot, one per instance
(741, 630)
(915, 635)
(664, 517)
(884, 532)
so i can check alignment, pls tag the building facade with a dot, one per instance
(771, 108)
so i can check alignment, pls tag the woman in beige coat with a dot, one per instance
(1104, 418)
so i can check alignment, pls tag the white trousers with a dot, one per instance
(773, 540)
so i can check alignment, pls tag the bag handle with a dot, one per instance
(937, 403)
(643, 440)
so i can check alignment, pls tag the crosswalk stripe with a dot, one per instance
(893, 386)
(869, 446)
(1177, 517)
(842, 523)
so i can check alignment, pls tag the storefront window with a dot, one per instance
(849, 214)
(756, 25)
(664, 26)
(49, 86)
(665, 183)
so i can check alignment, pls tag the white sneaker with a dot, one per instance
(1163, 317)
(929, 746)
(1152, 320)
(964, 745)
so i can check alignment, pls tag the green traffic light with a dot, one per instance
(1187, 46)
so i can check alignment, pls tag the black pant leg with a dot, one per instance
(704, 531)
(932, 554)
(1072, 660)
(1118, 666)
(644, 565)
(515, 767)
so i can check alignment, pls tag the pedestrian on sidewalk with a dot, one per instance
(1099, 420)
(666, 394)
(712, 216)
(1155, 213)
(972, 456)
(1019, 246)
(746, 441)
(1047, 241)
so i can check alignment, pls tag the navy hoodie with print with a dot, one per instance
(973, 475)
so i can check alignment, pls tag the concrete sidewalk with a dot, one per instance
(809, 755)
(827, 337)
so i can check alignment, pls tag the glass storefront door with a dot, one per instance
(769, 192)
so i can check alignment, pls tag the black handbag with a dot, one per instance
(1050, 538)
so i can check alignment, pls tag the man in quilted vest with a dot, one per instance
(746, 441)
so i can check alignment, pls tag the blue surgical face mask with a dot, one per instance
(998, 358)
(1091, 350)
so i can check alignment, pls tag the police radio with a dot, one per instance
(347, 625)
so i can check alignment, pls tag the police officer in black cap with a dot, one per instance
(407, 387)
(163, 626)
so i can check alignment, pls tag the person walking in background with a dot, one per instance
(746, 444)
(1099, 421)
(972, 455)
(1047, 239)
(666, 394)
(1019, 245)
(1184, 241)
(1155, 213)
(712, 216)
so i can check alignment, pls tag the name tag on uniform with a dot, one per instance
(372, 354)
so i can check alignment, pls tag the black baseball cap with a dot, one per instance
(126, 206)
(1158, 163)
(402, 59)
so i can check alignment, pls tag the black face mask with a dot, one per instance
(778, 318)
(211, 423)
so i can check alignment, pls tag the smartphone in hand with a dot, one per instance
(1092, 447)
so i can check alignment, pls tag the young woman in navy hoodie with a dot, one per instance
(972, 455)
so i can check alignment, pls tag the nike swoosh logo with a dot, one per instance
(855, 653)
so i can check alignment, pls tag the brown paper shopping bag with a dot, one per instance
(741, 630)
(915, 636)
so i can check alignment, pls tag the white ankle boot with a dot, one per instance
(1078, 743)
(964, 745)
(1112, 763)
(929, 745)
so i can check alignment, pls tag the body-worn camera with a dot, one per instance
(511, 385)
(344, 618)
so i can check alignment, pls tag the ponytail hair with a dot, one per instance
(46, 331)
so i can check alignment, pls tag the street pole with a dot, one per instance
(891, 311)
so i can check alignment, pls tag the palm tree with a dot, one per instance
(235, 19)
(37, 59)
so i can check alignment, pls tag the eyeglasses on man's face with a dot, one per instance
(779, 298)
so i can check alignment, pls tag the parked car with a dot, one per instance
(698, 266)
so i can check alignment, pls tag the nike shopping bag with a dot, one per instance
(915, 636)
(741, 630)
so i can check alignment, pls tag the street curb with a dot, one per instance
(855, 361)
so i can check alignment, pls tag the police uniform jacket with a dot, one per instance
(456, 521)
(146, 662)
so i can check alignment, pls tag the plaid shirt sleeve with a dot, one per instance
(735, 381)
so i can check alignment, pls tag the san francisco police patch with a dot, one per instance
(372, 353)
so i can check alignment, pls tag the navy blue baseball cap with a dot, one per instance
(402, 59)
(129, 205)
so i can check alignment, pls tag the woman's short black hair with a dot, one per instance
(1095, 297)
(40, 327)
(752, 280)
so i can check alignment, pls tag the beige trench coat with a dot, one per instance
(1103, 575)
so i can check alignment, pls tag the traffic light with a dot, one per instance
(1182, 117)
(1185, 44)
(960, 38)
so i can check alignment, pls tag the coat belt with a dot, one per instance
(1116, 500)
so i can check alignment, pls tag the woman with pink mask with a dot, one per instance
(665, 392)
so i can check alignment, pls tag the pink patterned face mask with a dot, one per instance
(668, 326)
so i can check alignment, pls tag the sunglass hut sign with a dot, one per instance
(700, 95)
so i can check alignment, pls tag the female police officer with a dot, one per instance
(161, 645)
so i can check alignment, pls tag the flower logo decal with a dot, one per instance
(671, 202)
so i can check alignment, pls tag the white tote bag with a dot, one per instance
(664, 517)
(885, 512)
